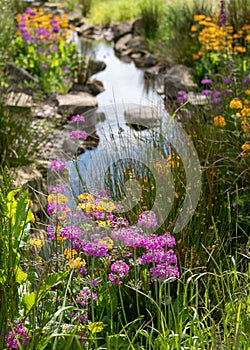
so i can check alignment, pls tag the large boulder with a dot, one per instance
(142, 116)
(119, 30)
(178, 78)
(129, 45)
(93, 87)
(78, 103)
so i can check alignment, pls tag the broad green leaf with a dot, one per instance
(29, 301)
(20, 276)
(96, 327)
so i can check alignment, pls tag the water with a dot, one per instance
(123, 82)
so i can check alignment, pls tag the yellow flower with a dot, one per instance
(104, 223)
(88, 207)
(247, 92)
(245, 112)
(245, 146)
(36, 242)
(241, 49)
(76, 263)
(57, 198)
(69, 253)
(198, 18)
(108, 242)
(219, 120)
(235, 103)
(194, 29)
(105, 205)
(244, 125)
(85, 196)
(173, 161)
(196, 56)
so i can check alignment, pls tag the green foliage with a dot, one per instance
(42, 46)
(7, 30)
(151, 13)
(175, 31)
(19, 141)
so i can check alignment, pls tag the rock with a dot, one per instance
(20, 79)
(178, 78)
(122, 44)
(137, 25)
(152, 72)
(143, 116)
(94, 66)
(19, 101)
(78, 103)
(119, 30)
(75, 17)
(136, 43)
(129, 45)
(144, 60)
(29, 177)
(94, 87)
(149, 61)
(86, 29)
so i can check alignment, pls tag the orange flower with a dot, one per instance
(245, 146)
(219, 120)
(235, 103)
(198, 18)
(194, 29)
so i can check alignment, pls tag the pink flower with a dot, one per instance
(76, 134)
(57, 165)
(75, 118)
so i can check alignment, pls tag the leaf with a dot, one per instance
(20, 276)
(96, 327)
(29, 301)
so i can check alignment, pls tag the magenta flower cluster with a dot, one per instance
(57, 165)
(119, 270)
(17, 334)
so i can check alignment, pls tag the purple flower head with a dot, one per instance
(147, 219)
(57, 188)
(30, 12)
(206, 81)
(71, 232)
(55, 30)
(85, 296)
(95, 249)
(44, 66)
(41, 31)
(54, 22)
(182, 93)
(207, 92)
(217, 100)
(217, 93)
(76, 134)
(77, 117)
(246, 80)
(54, 48)
(17, 333)
(222, 13)
(120, 267)
(57, 165)
(93, 283)
(227, 92)
(65, 69)
(182, 99)
(226, 80)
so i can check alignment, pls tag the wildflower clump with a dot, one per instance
(217, 41)
(44, 48)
